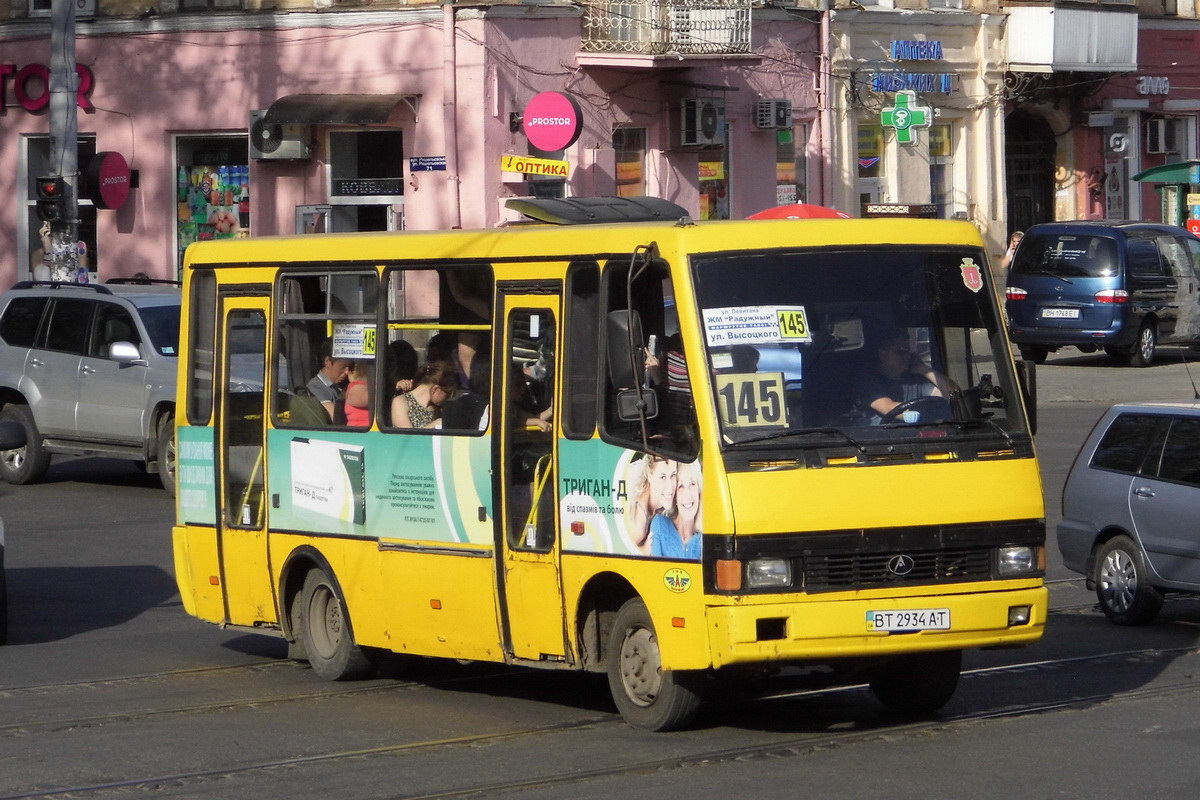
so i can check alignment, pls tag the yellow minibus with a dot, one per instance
(664, 450)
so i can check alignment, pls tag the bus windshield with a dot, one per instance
(855, 346)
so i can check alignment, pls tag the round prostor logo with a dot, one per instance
(107, 180)
(552, 121)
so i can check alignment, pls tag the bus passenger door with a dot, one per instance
(242, 522)
(530, 585)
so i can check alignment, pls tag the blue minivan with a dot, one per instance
(1121, 286)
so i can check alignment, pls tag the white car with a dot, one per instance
(12, 435)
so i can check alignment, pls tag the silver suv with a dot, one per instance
(89, 369)
(1130, 505)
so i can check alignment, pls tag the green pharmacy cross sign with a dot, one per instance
(905, 116)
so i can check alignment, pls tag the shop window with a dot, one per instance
(941, 168)
(630, 147)
(366, 180)
(715, 178)
(212, 179)
(791, 165)
(870, 163)
(326, 345)
(439, 332)
(40, 163)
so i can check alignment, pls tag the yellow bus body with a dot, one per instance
(457, 600)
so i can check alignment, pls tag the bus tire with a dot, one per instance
(29, 463)
(647, 696)
(325, 629)
(165, 444)
(916, 684)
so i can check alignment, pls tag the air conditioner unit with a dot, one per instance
(1162, 136)
(701, 121)
(271, 142)
(773, 114)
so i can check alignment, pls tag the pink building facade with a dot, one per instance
(267, 124)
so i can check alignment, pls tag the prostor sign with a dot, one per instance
(31, 85)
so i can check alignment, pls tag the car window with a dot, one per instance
(1181, 453)
(1125, 443)
(1193, 246)
(1143, 257)
(69, 321)
(1067, 255)
(113, 324)
(162, 326)
(21, 318)
(1176, 256)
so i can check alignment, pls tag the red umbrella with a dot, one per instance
(800, 211)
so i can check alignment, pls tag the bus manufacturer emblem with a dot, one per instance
(677, 580)
(900, 565)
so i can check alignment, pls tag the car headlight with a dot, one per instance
(765, 573)
(1019, 560)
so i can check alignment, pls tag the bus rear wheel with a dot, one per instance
(917, 684)
(648, 696)
(325, 628)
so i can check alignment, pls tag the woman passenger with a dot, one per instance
(421, 407)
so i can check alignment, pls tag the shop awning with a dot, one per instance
(338, 109)
(1180, 172)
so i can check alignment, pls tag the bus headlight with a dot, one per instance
(766, 573)
(1020, 560)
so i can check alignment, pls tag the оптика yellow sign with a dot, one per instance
(533, 166)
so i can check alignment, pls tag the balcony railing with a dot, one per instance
(660, 27)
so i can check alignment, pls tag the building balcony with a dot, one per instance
(1060, 39)
(641, 32)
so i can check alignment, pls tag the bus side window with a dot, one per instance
(440, 317)
(202, 319)
(673, 431)
(582, 356)
(325, 351)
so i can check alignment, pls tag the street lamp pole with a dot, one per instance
(64, 140)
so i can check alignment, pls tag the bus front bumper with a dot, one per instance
(818, 630)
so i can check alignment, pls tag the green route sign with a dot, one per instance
(905, 116)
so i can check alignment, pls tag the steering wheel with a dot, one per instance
(937, 407)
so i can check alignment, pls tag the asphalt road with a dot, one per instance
(110, 690)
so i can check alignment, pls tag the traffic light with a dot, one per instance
(51, 202)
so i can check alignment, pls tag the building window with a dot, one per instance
(212, 179)
(630, 147)
(791, 165)
(714, 177)
(941, 169)
(870, 163)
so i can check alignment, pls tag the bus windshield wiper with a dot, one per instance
(838, 432)
(973, 422)
(1050, 274)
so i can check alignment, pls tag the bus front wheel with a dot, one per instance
(325, 628)
(647, 695)
(916, 684)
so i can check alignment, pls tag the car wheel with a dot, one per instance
(166, 453)
(1122, 583)
(26, 464)
(1034, 352)
(325, 625)
(647, 695)
(917, 684)
(1142, 354)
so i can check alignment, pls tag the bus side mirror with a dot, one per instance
(1027, 380)
(633, 404)
(625, 366)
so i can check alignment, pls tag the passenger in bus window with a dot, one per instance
(358, 394)
(330, 380)
(899, 377)
(677, 534)
(422, 407)
(468, 410)
(402, 364)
